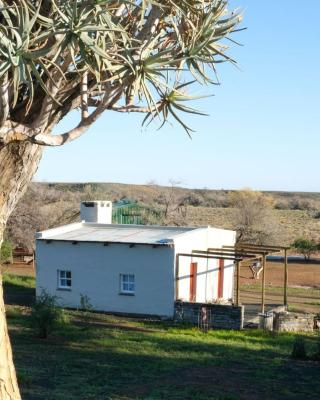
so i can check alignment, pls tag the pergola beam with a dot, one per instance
(230, 251)
(245, 249)
(219, 254)
(262, 247)
(209, 256)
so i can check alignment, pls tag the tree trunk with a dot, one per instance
(18, 164)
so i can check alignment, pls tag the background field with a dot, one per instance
(303, 286)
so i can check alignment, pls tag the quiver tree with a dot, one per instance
(124, 56)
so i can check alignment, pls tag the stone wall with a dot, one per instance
(293, 322)
(220, 316)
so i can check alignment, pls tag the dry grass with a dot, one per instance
(59, 204)
(292, 223)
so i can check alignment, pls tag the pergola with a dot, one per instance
(261, 252)
(239, 253)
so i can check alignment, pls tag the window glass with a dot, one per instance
(64, 279)
(127, 283)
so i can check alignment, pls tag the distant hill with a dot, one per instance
(297, 213)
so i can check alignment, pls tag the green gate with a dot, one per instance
(127, 212)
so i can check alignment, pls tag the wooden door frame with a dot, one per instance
(193, 281)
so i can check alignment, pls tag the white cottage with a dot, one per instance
(131, 268)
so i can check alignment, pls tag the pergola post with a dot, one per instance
(285, 291)
(238, 263)
(177, 277)
(264, 264)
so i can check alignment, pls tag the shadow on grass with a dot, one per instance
(16, 293)
(103, 363)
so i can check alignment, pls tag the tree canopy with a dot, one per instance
(306, 247)
(97, 55)
(253, 217)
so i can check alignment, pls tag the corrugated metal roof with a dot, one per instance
(89, 232)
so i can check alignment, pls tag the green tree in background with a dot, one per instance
(306, 247)
(6, 251)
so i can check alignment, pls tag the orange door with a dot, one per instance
(220, 278)
(193, 281)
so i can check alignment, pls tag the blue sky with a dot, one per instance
(263, 130)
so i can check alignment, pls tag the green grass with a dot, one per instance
(126, 359)
(19, 281)
(297, 292)
(20, 290)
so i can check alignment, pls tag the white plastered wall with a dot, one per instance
(207, 269)
(96, 273)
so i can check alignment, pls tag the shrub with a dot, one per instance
(316, 355)
(85, 307)
(46, 315)
(6, 251)
(85, 304)
(299, 348)
(306, 247)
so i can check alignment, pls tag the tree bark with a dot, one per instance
(18, 164)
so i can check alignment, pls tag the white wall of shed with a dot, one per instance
(207, 269)
(96, 273)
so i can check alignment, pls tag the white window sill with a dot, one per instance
(126, 294)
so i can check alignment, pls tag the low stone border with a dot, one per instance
(293, 322)
(221, 316)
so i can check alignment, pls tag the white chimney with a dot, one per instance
(99, 212)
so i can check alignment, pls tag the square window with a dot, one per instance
(64, 279)
(127, 283)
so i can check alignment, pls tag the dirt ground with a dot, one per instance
(303, 286)
(299, 274)
(18, 269)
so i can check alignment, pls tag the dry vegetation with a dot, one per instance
(290, 215)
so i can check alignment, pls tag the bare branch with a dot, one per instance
(135, 109)
(84, 96)
(59, 140)
(151, 24)
(120, 10)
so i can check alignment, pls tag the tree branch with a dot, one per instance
(135, 109)
(84, 96)
(150, 25)
(59, 140)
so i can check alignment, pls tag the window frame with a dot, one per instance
(130, 281)
(64, 278)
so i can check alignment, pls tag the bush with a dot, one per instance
(299, 348)
(6, 251)
(316, 355)
(85, 304)
(306, 247)
(46, 315)
(86, 307)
